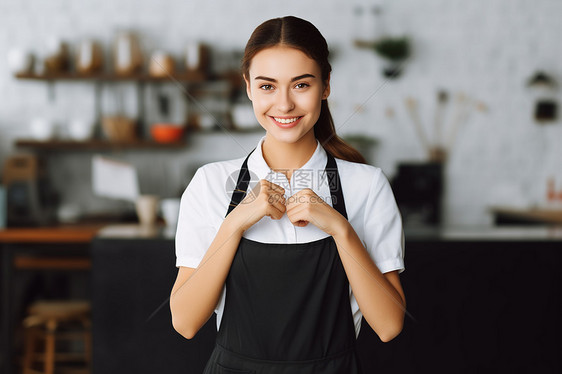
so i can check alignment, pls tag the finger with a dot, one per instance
(276, 197)
(272, 187)
(298, 221)
(278, 203)
(295, 200)
(280, 207)
(297, 214)
(274, 212)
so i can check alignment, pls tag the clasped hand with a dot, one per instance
(302, 208)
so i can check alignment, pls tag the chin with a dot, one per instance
(285, 136)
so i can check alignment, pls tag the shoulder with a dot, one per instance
(353, 172)
(210, 174)
(207, 194)
(365, 187)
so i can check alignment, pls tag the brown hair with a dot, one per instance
(300, 34)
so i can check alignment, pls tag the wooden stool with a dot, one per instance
(46, 322)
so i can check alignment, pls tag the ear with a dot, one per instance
(326, 92)
(248, 88)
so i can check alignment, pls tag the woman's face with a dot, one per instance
(286, 90)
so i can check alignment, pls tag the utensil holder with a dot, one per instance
(119, 129)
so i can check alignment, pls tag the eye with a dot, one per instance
(302, 85)
(266, 87)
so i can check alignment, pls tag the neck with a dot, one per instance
(286, 157)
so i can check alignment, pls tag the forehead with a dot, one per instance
(282, 62)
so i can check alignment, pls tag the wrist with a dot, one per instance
(343, 230)
(232, 227)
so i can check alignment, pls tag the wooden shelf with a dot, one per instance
(71, 145)
(100, 144)
(194, 77)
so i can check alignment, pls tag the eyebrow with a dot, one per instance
(261, 77)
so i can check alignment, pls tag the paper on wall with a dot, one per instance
(114, 179)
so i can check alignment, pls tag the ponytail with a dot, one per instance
(302, 35)
(325, 132)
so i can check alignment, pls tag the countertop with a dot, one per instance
(445, 234)
(544, 215)
(86, 233)
(52, 234)
(485, 233)
(136, 231)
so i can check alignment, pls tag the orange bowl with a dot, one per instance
(166, 132)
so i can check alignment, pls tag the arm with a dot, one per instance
(379, 296)
(196, 292)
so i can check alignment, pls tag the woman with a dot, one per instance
(314, 245)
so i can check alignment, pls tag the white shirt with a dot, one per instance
(369, 202)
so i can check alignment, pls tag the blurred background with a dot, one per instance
(456, 101)
(481, 56)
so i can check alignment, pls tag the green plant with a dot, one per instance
(394, 49)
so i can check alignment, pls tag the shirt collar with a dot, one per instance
(257, 164)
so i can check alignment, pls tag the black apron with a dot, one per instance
(287, 306)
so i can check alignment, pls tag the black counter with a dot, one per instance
(478, 300)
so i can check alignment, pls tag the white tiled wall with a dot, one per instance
(484, 49)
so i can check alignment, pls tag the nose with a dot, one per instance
(285, 102)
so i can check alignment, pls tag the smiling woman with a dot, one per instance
(310, 248)
(286, 90)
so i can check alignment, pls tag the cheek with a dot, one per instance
(313, 103)
(260, 103)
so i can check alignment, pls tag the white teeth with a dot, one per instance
(286, 120)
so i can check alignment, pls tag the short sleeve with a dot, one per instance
(384, 235)
(194, 232)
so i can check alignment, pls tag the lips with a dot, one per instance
(286, 122)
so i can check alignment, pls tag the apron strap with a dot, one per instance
(332, 176)
(334, 181)
(241, 185)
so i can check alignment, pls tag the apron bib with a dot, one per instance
(287, 306)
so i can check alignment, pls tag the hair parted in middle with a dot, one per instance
(300, 34)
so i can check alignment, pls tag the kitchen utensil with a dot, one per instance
(206, 121)
(161, 64)
(412, 107)
(461, 116)
(119, 128)
(127, 54)
(42, 128)
(195, 56)
(69, 213)
(147, 209)
(80, 129)
(442, 98)
(166, 132)
(20, 61)
(89, 58)
(57, 57)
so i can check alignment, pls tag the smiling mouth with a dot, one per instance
(286, 121)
